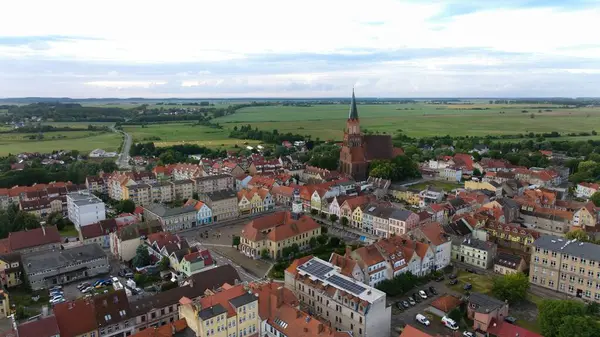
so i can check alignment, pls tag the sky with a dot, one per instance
(308, 48)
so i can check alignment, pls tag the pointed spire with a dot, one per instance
(353, 109)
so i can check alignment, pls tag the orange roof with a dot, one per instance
(434, 233)
(283, 190)
(446, 303)
(282, 226)
(292, 269)
(345, 263)
(357, 201)
(163, 331)
(464, 158)
(266, 290)
(223, 298)
(584, 184)
(76, 318)
(410, 331)
(370, 255)
(193, 202)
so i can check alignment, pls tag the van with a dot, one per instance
(422, 319)
(449, 323)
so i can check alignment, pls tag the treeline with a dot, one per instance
(14, 220)
(65, 112)
(325, 156)
(565, 102)
(176, 153)
(397, 169)
(270, 137)
(50, 128)
(75, 172)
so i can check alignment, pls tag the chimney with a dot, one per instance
(321, 327)
(279, 296)
(43, 230)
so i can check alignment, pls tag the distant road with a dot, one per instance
(123, 158)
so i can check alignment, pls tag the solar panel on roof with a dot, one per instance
(350, 286)
(316, 268)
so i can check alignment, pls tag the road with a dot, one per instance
(123, 158)
(223, 260)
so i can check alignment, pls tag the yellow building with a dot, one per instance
(484, 185)
(586, 217)
(230, 312)
(408, 195)
(357, 215)
(277, 231)
(10, 269)
(4, 304)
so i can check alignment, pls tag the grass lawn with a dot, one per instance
(83, 141)
(481, 283)
(69, 231)
(19, 297)
(445, 185)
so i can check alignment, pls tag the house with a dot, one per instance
(406, 194)
(163, 308)
(360, 308)
(85, 209)
(430, 195)
(442, 305)
(475, 252)
(173, 329)
(196, 262)
(480, 148)
(124, 241)
(41, 207)
(483, 310)
(76, 318)
(172, 219)
(275, 232)
(44, 269)
(183, 189)
(224, 204)
(212, 183)
(45, 238)
(512, 236)
(348, 266)
(509, 264)
(114, 315)
(98, 233)
(586, 217)
(492, 186)
(374, 266)
(204, 213)
(5, 308)
(256, 200)
(95, 184)
(282, 195)
(586, 190)
(186, 171)
(10, 270)
(41, 327)
(434, 235)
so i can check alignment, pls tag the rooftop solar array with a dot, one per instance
(316, 268)
(347, 285)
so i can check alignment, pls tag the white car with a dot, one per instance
(422, 319)
(115, 279)
(87, 290)
(468, 334)
(449, 323)
(422, 294)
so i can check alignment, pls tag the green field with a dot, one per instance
(184, 133)
(83, 141)
(418, 120)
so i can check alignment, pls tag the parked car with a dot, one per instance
(83, 285)
(422, 319)
(468, 286)
(405, 305)
(56, 301)
(453, 282)
(126, 272)
(416, 297)
(439, 278)
(449, 323)
(114, 279)
(399, 306)
(87, 290)
(411, 301)
(97, 283)
(452, 277)
(422, 294)
(55, 288)
(432, 290)
(471, 270)
(510, 319)
(468, 334)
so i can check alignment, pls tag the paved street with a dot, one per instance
(123, 158)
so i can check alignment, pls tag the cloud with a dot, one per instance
(281, 48)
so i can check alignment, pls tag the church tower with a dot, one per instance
(352, 136)
(296, 205)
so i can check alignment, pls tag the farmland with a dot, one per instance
(83, 141)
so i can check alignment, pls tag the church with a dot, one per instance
(359, 150)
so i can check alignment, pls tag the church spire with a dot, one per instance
(353, 109)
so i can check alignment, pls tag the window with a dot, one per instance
(561, 287)
(588, 294)
(571, 289)
(551, 283)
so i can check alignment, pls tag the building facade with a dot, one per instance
(85, 209)
(224, 204)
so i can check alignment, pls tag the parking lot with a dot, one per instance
(407, 316)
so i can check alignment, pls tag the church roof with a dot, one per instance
(353, 109)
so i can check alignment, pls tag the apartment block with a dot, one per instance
(475, 252)
(85, 209)
(342, 302)
(212, 183)
(224, 204)
(568, 266)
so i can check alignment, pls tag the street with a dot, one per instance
(123, 158)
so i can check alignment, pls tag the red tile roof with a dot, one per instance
(410, 331)
(446, 303)
(434, 232)
(282, 226)
(505, 329)
(163, 331)
(45, 327)
(370, 255)
(75, 318)
(33, 238)
(200, 255)
(293, 268)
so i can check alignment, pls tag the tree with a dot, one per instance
(580, 326)
(142, 257)
(578, 234)
(264, 254)
(314, 211)
(125, 206)
(322, 239)
(595, 198)
(108, 166)
(476, 172)
(323, 215)
(312, 242)
(552, 313)
(235, 241)
(511, 287)
(344, 221)
(165, 263)
(333, 218)
(456, 314)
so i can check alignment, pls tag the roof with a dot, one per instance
(293, 267)
(370, 255)
(378, 147)
(75, 318)
(508, 260)
(410, 331)
(203, 255)
(401, 214)
(83, 198)
(483, 303)
(164, 212)
(505, 329)
(214, 177)
(33, 237)
(134, 231)
(353, 113)
(346, 264)
(475, 243)
(163, 331)
(278, 226)
(434, 232)
(283, 190)
(44, 260)
(221, 195)
(590, 185)
(199, 283)
(576, 248)
(45, 327)
(225, 301)
(446, 303)
(112, 308)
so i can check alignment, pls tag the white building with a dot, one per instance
(585, 190)
(85, 209)
(348, 304)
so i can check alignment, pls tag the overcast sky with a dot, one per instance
(308, 48)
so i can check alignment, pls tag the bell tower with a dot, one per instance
(296, 205)
(352, 135)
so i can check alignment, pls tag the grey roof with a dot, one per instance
(41, 261)
(508, 260)
(457, 202)
(495, 183)
(222, 195)
(211, 312)
(508, 202)
(183, 181)
(483, 303)
(138, 186)
(353, 114)
(576, 248)
(379, 211)
(243, 300)
(457, 228)
(401, 214)
(475, 243)
(213, 177)
(164, 212)
(82, 199)
(161, 183)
